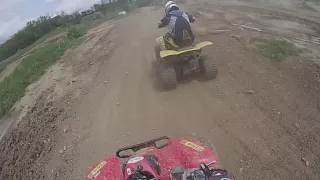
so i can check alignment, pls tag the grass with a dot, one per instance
(275, 50)
(35, 63)
(12, 88)
(87, 23)
(4, 64)
(20, 53)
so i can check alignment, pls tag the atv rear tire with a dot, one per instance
(207, 67)
(168, 76)
(157, 50)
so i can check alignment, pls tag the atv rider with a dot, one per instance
(178, 23)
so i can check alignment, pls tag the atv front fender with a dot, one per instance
(108, 168)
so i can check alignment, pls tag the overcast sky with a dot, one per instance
(15, 13)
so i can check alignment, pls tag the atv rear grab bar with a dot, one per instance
(137, 147)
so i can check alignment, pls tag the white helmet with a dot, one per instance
(169, 5)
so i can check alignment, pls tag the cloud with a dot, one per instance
(72, 5)
(51, 1)
(10, 23)
(8, 4)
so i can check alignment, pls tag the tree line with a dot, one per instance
(36, 29)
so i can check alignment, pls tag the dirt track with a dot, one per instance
(262, 117)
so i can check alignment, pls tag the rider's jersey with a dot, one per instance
(178, 22)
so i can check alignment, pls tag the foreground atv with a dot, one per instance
(161, 158)
(173, 64)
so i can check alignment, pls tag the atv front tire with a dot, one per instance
(168, 76)
(207, 67)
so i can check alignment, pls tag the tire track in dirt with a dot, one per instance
(130, 108)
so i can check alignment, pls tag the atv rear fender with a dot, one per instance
(166, 53)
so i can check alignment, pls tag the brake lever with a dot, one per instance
(211, 163)
(205, 168)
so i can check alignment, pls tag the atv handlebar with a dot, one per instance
(178, 172)
(137, 147)
(186, 174)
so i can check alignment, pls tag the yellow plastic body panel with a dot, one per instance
(166, 53)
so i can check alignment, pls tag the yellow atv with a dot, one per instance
(173, 64)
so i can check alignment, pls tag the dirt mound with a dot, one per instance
(25, 149)
(53, 39)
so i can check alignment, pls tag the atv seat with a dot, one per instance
(186, 47)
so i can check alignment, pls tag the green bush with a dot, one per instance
(98, 15)
(34, 30)
(142, 3)
(128, 7)
(73, 33)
